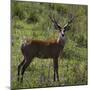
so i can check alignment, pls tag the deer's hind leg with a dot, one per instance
(26, 64)
(19, 68)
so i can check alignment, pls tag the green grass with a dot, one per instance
(72, 67)
(73, 64)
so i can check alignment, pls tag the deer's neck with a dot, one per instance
(61, 40)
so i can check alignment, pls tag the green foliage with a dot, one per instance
(31, 20)
(81, 40)
(18, 10)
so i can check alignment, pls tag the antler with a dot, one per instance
(69, 22)
(56, 25)
(67, 26)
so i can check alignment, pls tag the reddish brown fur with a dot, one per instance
(42, 49)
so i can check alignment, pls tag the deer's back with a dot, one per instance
(41, 49)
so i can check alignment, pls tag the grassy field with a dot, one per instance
(31, 20)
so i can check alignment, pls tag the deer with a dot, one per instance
(44, 50)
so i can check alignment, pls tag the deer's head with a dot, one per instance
(61, 29)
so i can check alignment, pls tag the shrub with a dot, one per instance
(81, 40)
(32, 19)
(18, 10)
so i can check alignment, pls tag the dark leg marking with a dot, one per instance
(19, 67)
(26, 64)
(56, 76)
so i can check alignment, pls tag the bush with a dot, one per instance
(32, 19)
(81, 40)
(18, 10)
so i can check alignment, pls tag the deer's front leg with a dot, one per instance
(55, 61)
(57, 70)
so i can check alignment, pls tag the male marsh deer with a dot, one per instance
(44, 49)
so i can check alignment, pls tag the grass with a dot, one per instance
(72, 67)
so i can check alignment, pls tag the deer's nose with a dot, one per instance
(63, 35)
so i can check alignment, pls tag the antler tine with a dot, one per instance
(51, 19)
(56, 21)
(70, 21)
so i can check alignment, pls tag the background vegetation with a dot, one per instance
(31, 20)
